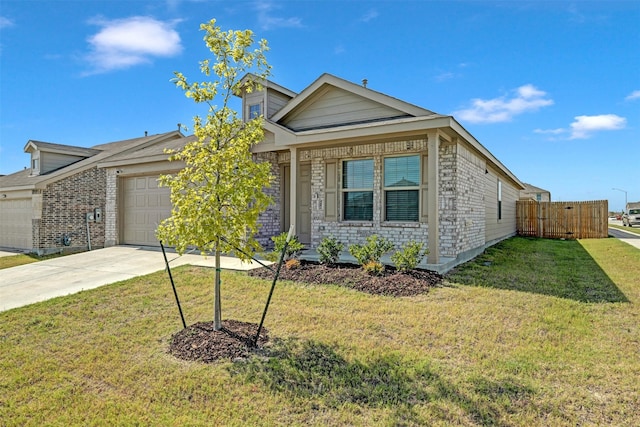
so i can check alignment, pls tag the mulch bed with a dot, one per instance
(390, 283)
(201, 342)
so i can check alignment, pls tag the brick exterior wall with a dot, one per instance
(111, 208)
(469, 196)
(461, 200)
(64, 206)
(270, 220)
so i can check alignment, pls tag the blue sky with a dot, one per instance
(551, 88)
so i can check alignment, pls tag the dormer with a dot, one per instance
(265, 102)
(47, 157)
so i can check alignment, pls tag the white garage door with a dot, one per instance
(145, 205)
(15, 223)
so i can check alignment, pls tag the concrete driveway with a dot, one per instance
(39, 281)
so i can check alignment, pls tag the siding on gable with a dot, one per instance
(275, 102)
(52, 161)
(336, 107)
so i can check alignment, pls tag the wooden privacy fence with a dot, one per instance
(562, 220)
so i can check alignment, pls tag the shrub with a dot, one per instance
(372, 250)
(293, 249)
(409, 256)
(329, 250)
(292, 264)
(374, 268)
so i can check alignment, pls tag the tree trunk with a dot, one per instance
(217, 315)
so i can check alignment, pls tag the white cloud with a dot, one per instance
(5, 22)
(557, 131)
(123, 43)
(633, 95)
(268, 21)
(369, 15)
(502, 109)
(584, 126)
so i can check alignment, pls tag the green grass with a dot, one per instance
(460, 355)
(22, 259)
(561, 268)
(635, 230)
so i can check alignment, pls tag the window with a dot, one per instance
(499, 199)
(35, 164)
(254, 111)
(357, 190)
(402, 188)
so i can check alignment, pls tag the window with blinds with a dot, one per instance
(402, 188)
(357, 190)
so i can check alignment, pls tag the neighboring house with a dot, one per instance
(75, 197)
(350, 162)
(531, 192)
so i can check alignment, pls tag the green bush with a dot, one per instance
(372, 250)
(293, 249)
(329, 250)
(409, 256)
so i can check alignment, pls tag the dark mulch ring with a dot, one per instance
(201, 342)
(391, 282)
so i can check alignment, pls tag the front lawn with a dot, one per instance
(492, 353)
(21, 259)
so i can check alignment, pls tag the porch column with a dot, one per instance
(433, 145)
(293, 190)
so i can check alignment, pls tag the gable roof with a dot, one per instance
(333, 101)
(332, 111)
(50, 147)
(23, 180)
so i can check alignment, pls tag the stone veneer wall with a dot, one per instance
(65, 204)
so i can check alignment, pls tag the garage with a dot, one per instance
(145, 204)
(15, 223)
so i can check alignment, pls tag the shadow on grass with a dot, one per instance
(560, 268)
(317, 373)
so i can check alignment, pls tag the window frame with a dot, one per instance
(258, 106)
(417, 188)
(345, 190)
(499, 199)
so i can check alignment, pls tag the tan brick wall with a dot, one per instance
(64, 206)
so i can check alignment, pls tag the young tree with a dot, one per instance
(219, 194)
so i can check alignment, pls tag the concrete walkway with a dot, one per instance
(39, 281)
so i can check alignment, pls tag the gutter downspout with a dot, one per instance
(88, 233)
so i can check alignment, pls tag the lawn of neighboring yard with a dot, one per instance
(635, 230)
(21, 259)
(546, 333)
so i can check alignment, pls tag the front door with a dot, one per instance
(303, 220)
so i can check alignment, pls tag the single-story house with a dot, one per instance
(75, 197)
(350, 162)
(531, 192)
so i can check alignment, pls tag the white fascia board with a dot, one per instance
(28, 187)
(134, 161)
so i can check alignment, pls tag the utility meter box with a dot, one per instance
(89, 216)
(98, 214)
